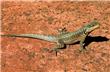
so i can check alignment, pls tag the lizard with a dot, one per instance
(64, 38)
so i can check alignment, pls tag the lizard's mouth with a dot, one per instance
(93, 28)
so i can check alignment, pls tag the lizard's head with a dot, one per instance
(91, 26)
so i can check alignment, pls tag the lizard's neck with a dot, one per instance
(80, 31)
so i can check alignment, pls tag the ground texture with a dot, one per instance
(28, 55)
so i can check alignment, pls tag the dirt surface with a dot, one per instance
(28, 55)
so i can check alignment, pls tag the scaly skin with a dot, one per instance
(64, 37)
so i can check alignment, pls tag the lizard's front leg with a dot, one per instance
(60, 44)
(82, 43)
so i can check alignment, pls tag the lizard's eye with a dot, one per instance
(92, 25)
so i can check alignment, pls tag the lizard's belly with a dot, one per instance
(70, 41)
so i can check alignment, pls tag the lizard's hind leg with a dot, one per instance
(59, 46)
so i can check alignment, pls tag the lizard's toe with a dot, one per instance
(54, 49)
(81, 50)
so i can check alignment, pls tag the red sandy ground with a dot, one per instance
(27, 55)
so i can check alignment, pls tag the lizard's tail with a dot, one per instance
(38, 36)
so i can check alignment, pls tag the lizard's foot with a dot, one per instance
(48, 50)
(81, 50)
(56, 50)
